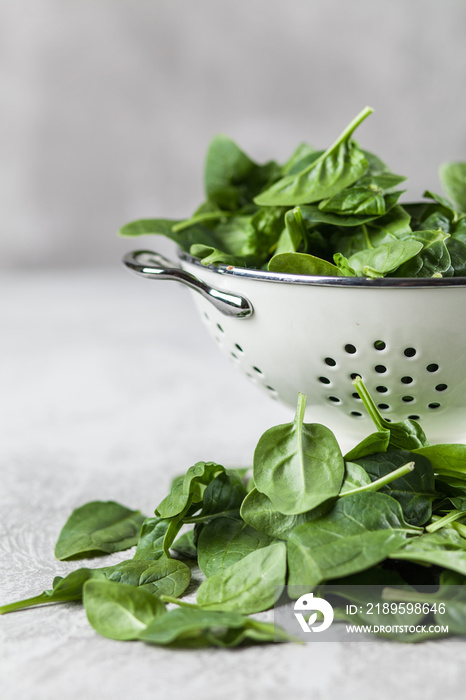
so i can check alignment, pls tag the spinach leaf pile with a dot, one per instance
(334, 213)
(392, 510)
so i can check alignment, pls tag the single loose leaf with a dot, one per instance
(195, 627)
(161, 577)
(249, 585)
(338, 167)
(98, 527)
(118, 611)
(259, 512)
(298, 465)
(188, 489)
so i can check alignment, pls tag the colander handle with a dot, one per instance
(153, 266)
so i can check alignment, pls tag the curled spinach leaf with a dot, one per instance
(338, 167)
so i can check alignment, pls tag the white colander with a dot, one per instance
(295, 333)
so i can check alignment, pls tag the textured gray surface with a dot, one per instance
(109, 387)
(108, 105)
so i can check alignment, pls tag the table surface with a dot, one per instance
(109, 386)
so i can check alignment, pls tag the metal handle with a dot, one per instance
(151, 265)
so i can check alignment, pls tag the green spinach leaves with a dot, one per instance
(331, 212)
(391, 512)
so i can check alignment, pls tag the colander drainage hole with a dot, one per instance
(383, 406)
(324, 380)
(259, 371)
(380, 369)
(406, 380)
(407, 399)
(381, 389)
(441, 387)
(350, 349)
(238, 347)
(335, 399)
(353, 375)
(356, 414)
(330, 361)
(432, 368)
(355, 395)
(380, 345)
(410, 352)
(434, 405)
(206, 316)
(220, 328)
(413, 416)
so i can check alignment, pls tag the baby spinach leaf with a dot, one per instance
(446, 459)
(224, 541)
(359, 532)
(222, 496)
(312, 214)
(215, 256)
(195, 627)
(258, 511)
(338, 167)
(249, 585)
(415, 491)
(118, 611)
(303, 264)
(231, 178)
(457, 252)
(189, 489)
(445, 548)
(433, 258)
(376, 442)
(298, 465)
(355, 477)
(302, 156)
(356, 200)
(453, 179)
(185, 238)
(98, 527)
(164, 576)
(64, 590)
(384, 259)
(150, 543)
(405, 435)
(294, 234)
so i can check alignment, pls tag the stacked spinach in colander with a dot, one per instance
(390, 512)
(332, 212)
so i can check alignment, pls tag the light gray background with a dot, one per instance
(108, 385)
(107, 106)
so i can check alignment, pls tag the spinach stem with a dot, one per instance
(352, 126)
(301, 408)
(449, 518)
(26, 603)
(382, 481)
(367, 237)
(177, 601)
(369, 403)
